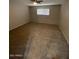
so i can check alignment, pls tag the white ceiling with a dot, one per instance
(45, 2)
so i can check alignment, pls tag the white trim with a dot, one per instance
(64, 35)
(17, 55)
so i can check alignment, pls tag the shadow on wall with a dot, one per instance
(18, 14)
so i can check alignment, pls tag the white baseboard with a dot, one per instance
(65, 36)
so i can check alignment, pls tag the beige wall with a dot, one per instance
(18, 14)
(64, 22)
(53, 18)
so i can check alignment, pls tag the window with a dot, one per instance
(42, 11)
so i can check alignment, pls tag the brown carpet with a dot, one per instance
(38, 41)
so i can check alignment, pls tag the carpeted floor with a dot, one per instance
(38, 41)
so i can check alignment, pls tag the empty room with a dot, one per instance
(39, 29)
